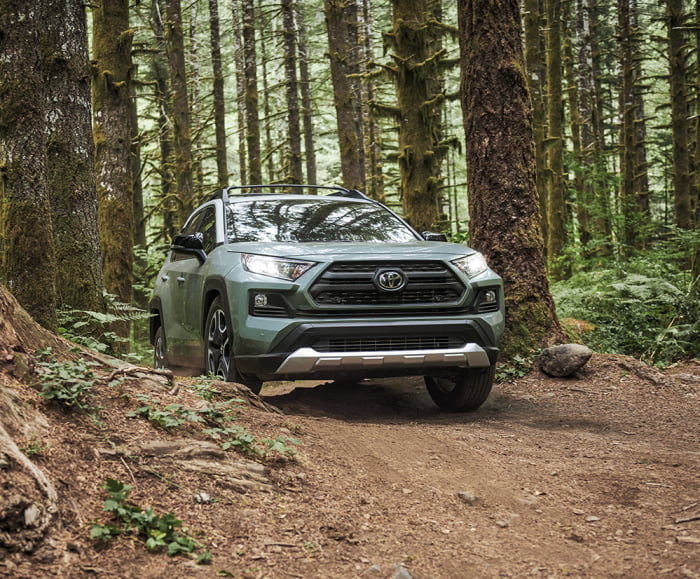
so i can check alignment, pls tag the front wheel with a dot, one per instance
(464, 391)
(218, 349)
(159, 349)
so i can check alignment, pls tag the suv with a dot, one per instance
(268, 283)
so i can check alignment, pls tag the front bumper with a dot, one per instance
(314, 350)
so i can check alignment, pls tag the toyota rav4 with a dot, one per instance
(270, 282)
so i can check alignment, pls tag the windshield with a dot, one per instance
(309, 220)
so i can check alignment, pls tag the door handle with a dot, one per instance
(181, 281)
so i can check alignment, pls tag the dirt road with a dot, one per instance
(587, 477)
(597, 476)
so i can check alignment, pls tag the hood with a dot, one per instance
(355, 251)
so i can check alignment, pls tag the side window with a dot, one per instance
(208, 228)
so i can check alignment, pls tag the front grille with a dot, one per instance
(428, 283)
(384, 344)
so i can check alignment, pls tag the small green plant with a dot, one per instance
(159, 532)
(67, 383)
(172, 416)
(238, 438)
(34, 449)
(516, 367)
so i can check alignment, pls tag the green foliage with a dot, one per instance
(159, 532)
(238, 438)
(173, 415)
(67, 383)
(649, 309)
(91, 329)
(512, 369)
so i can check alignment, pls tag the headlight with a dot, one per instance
(281, 268)
(472, 265)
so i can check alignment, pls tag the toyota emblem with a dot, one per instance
(391, 280)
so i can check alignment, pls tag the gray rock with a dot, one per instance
(564, 359)
(400, 572)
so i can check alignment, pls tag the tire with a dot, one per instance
(218, 351)
(160, 349)
(462, 392)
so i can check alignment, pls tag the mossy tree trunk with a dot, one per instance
(182, 131)
(374, 175)
(677, 54)
(289, 35)
(70, 155)
(250, 100)
(160, 72)
(112, 134)
(503, 200)
(27, 250)
(634, 190)
(344, 53)
(415, 39)
(219, 102)
(556, 184)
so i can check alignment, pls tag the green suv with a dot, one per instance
(268, 283)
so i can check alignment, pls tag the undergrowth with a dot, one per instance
(647, 307)
(159, 532)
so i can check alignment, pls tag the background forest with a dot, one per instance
(117, 119)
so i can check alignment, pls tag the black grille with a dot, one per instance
(353, 284)
(390, 343)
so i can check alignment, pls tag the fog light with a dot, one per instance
(489, 297)
(260, 300)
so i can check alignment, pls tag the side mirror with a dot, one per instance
(192, 244)
(431, 236)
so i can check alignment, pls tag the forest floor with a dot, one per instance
(592, 476)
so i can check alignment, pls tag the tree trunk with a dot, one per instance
(289, 34)
(112, 132)
(175, 46)
(415, 39)
(556, 189)
(28, 259)
(242, 82)
(306, 100)
(503, 200)
(71, 155)
(374, 172)
(343, 48)
(679, 114)
(219, 102)
(252, 119)
(534, 22)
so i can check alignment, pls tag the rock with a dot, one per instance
(564, 359)
(467, 497)
(400, 572)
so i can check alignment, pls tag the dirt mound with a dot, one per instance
(593, 476)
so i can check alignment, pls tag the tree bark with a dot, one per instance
(71, 155)
(307, 115)
(503, 200)
(534, 22)
(289, 34)
(343, 47)
(556, 185)
(219, 102)
(112, 133)
(28, 258)
(175, 46)
(416, 44)
(682, 205)
(252, 119)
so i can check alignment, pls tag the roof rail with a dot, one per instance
(338, 191)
